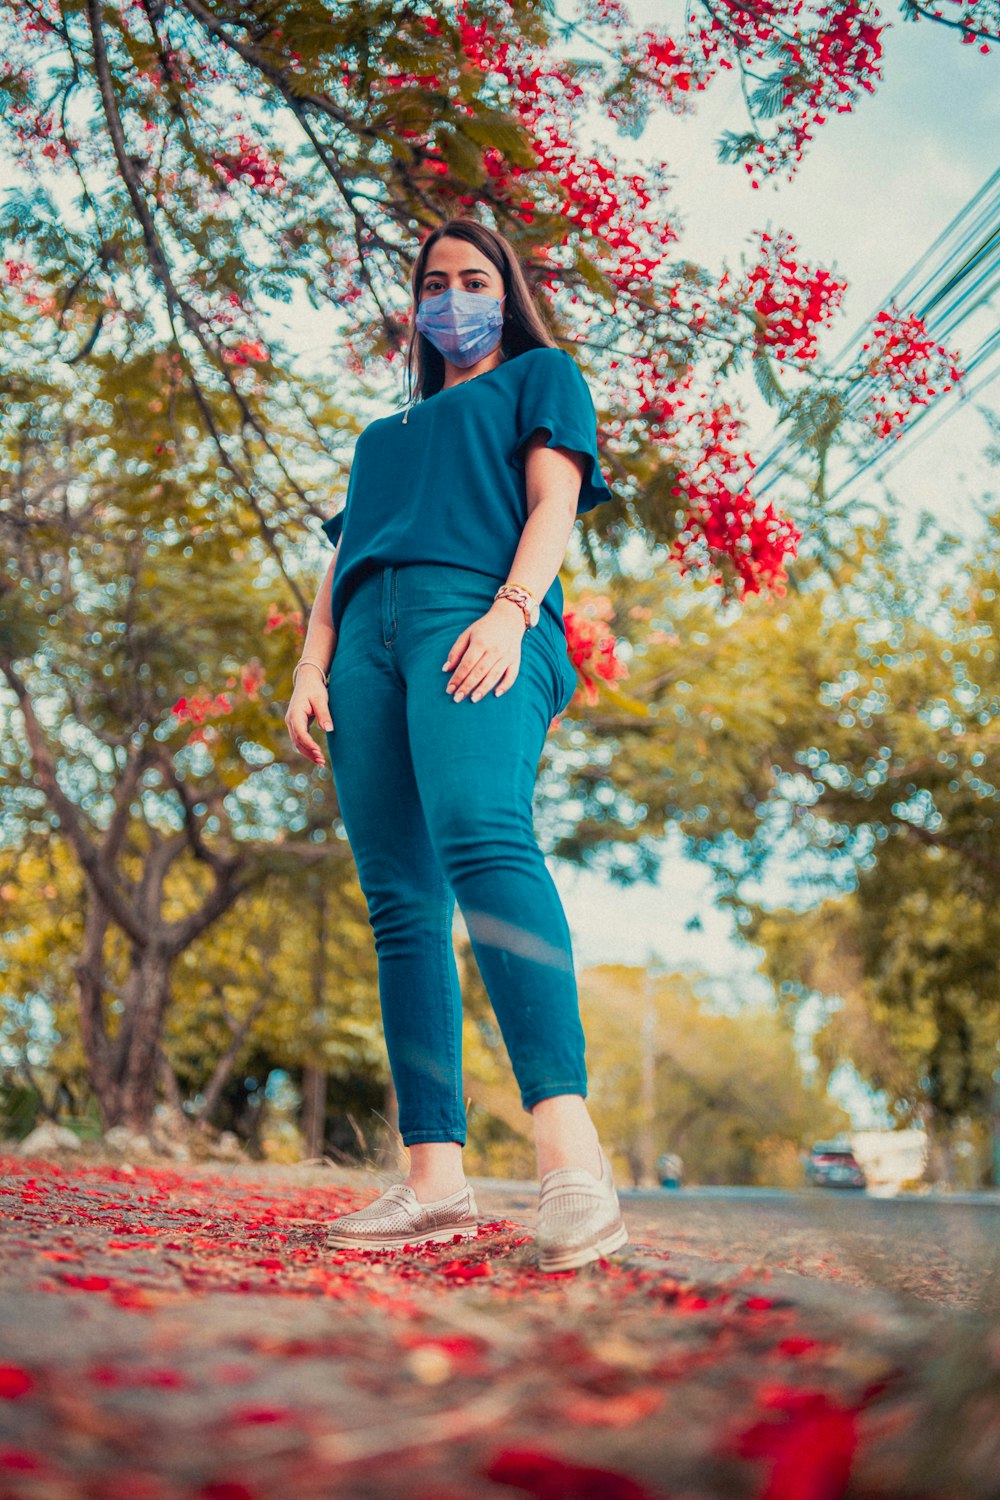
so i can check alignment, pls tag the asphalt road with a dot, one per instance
(938, 1249)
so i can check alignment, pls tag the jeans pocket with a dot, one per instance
(561, 670)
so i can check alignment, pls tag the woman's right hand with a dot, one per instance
(309, 701)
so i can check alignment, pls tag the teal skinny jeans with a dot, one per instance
(436, 799)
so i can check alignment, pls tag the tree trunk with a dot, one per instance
(313, 1110)
(138, 1043)
(224, 1067)
(940, 1168)
(173, 1098)
(90, 989)
(313, 1122)
(171, 1088)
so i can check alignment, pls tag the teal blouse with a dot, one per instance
(448, 484)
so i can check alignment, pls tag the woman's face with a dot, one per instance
(457, 263)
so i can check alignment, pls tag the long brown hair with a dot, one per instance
(523, 327)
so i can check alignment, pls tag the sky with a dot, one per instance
(875, 190)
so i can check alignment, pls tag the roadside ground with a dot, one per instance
(184, 1333)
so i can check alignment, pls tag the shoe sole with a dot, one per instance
(439, 1236)
(569, 1260)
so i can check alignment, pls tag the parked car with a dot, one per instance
(670, 1170)
(830, 1164)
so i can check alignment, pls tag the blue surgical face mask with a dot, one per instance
(463, 325)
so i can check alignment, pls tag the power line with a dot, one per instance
(955, 277)
(942, 413)
(991, 191)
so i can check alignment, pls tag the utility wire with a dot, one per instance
(955, 277)
(990, 346)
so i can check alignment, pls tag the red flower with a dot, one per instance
(246, 350)
(463, 1270)
(252, 677)
(549, 1478)
(201, 707)
(791, 300)
(245, 161)
(87, 1283)
(810, 1447)
(262, 1415)
(591, 647)
(910, 364)
(20, 1459)
(276, 618)
(15, 1382)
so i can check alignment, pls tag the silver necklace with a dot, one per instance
(468, 380)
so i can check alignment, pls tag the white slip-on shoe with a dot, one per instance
(579, 1217)
(397, 1217)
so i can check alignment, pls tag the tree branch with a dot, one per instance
(90, 854)
(192, 318)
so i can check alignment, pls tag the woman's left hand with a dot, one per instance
(488, 653)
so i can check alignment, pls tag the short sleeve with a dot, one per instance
(333, 527)
(554, 395)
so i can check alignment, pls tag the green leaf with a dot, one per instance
(594, 277)
(767, 381)
(463, 156)
(496, 129)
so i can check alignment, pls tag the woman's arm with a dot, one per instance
(309, 696)
(486, 656)
(552, 482)
(321, 638)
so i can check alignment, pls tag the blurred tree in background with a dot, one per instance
(903, 780)
(850, 742)
(730, 1098)
(140, 634)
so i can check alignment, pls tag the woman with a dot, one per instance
(456, 521)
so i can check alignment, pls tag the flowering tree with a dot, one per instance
(851, 737)
(224, 155)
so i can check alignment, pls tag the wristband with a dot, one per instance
(308, 662)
